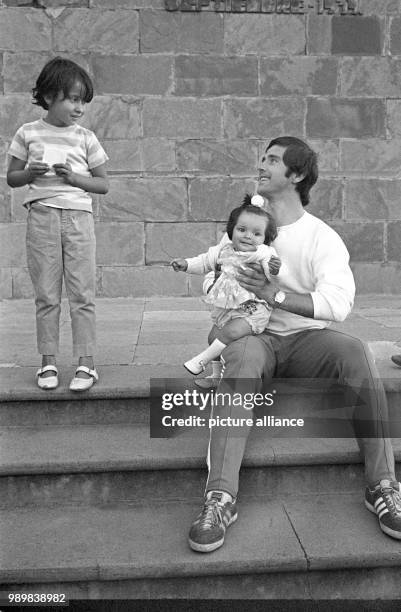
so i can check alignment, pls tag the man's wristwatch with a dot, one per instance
(279, 298)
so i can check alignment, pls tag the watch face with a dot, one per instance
(280, 297)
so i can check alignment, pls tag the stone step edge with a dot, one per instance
(302, 555)
(18, 383)
(142, 454)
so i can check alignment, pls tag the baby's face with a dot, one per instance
(249, 232)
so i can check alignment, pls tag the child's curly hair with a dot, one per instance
(247, 206)
(60, 74)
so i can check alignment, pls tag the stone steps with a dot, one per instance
(91, 506)
(315, 545)
(88, 465)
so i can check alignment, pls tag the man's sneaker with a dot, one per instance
(385, 501)
(208, 530)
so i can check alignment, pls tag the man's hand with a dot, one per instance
(274, 265)
(252, 278)
(179, 265)
(65, 171)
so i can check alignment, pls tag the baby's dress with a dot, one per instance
(227, 293)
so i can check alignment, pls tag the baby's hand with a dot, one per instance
(274, 265)
(179, 265)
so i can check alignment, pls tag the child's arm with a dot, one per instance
(97, 183)
(205, 262)
(18, 175)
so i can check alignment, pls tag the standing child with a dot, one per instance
(62, 163)
(236, 311)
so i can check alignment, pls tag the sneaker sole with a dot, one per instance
(384, 528)
(215, 545)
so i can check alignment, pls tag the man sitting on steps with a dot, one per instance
(318, 288)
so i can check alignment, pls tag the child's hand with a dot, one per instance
(37, 169)
(274, 265)
(65, 171)
(179, 265)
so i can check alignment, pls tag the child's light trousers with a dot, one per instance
(61, 243)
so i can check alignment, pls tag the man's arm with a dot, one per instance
(253, 279)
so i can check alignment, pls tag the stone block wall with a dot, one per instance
(185, 102)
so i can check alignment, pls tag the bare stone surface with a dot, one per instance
(131, 74)
(14, 111)
(394, 241)
(263, 117)
(138, 282)
(326, 199)
(213, 199)
(163, 32)
(264, 34)
(372, 200)
(215, 76)
(357, 35)
(377, 278)
(120, 243)
(371, 76)
(113, 117)
(5, 202)
(21, 69)
(328, 154)
(345, 118)
(22, 284)
(319, 34)
(124, 155)
(165, 241)
(364, 241)
(377, 157)
(181, 118)
(25, 29)
(97, 30)
(158, 155)
(394, 118)
(6, 288)
(12, 244)
(298, 76)
(131, 199)
(395, 32)
(217, 157)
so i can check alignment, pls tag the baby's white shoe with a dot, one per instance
(195, 366)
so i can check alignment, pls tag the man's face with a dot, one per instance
(272, 177)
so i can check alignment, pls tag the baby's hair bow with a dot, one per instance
(257, 200)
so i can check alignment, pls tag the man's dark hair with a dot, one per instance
(60, 74)
(300, 159)
(247, 206)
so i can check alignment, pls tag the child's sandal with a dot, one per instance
(82, 384)
(49, 382)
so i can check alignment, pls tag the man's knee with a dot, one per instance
(246, 355)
